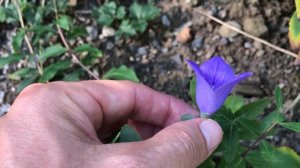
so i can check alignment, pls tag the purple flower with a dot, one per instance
(215, 79)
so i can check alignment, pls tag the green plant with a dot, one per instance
(42, 41)
(245, 129)
(128, 22)
(294, 29)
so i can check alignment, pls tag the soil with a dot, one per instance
(158, 58)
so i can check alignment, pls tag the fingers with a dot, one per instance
(103, 104)
(181, 145)
(127, 100)
(187, 143)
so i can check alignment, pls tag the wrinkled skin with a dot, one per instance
(63, 125)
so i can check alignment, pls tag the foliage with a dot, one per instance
(127, 21)
(50, 55)
(242, 123)
(121, 73)
(245, 123)
(294, 32)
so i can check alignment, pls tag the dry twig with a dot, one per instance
(74, 57)
(248, 35)
(31, 51)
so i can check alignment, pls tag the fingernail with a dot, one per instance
(212, 133)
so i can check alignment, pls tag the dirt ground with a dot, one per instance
(158, 58)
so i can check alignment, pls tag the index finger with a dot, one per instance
(122, 100)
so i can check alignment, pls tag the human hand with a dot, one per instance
(63, 124)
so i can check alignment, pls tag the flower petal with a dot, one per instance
(204, 93)
(205, 96)
(222, 92)
(217, 72)
(194, 66)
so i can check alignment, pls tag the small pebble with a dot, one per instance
(247, 45)
(184, 35)
(131, 59)
(260, 53)
(223, 42)
(165, 21)
(257, 45)
(255, 26)
(197, 43)
(107, 32)
(222, 14)
(164, 50)
(92, 31)
(213, 11)
(4, 109)
(227, 32)
(142, 51)
(281, 85)
(2, 94)
(109, 45)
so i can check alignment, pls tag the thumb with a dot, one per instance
(185, 144)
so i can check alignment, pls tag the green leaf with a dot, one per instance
(129, 134)
(294, 32)
(2, 14)
(225, 118)
(140, 25)
(278, 98)
(126, 29)
(74, 76)
(295, 126)
(64, 22)
(23, 4)
(252, 110)
(11, 14)
(230, 144)
(150, 12)
(192, 91)
(52, 51)
(76, 32)
(43, 29)
(18, 40)
(90, 53)
(238, 162)
(121, 12)
(26, 82)
(109, 8)
(249, 129)
(267, 151)
(143, 12)
(234, 103)
(53, 69)
(22, 73)
(121, 73)
(88, 48)
(107, 13)
(283, 157)
(105, 19)
(136, 10)
(274, 117)
(208, 163)
(10, 59)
